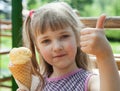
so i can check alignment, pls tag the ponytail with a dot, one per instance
(29, 43)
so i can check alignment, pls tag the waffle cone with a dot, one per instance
(22, 73)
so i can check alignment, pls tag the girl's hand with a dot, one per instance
(93, 40)
(34, 84)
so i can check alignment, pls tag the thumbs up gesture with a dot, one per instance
(93, 40)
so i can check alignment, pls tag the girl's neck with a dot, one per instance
(57, 72)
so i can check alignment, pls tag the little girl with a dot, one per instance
(57, 34)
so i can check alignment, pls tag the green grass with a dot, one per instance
(115, 47)
(5, 43)
(113, 34)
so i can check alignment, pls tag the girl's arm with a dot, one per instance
(93, 41)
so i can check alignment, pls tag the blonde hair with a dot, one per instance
(56, 15)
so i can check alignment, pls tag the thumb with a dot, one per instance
(100, 21)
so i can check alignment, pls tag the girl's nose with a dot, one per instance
(57, 46)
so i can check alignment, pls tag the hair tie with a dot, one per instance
(31, 13)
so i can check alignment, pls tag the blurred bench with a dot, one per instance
(5, 74)
(112, 22)
(116, 56)
(4, 51)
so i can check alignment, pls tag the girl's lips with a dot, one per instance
(60, 55)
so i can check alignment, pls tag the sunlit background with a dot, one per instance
(85, 8)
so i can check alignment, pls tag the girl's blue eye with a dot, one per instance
(46, 41)
(65, 36)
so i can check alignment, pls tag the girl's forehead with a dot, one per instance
(59, 32)
(62, 30)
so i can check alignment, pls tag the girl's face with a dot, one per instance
(58, 48)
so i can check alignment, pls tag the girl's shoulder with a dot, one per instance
(79, 73)
(94, 83)
(66, 76)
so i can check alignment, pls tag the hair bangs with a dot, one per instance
(53, 21)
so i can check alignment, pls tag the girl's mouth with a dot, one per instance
(59, 55)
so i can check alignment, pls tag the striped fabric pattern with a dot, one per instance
(74, 81)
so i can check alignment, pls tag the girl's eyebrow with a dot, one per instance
(64, 32)
(43, 37)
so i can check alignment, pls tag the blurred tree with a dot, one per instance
(117, 7)
(76, 4)
(49, 0)
(103, 4)
(85, 7)
(31, 4)
(80, 5)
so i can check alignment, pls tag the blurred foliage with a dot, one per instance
(116, 7)
(85, 7)
(32, 4)
(76, 4)
(113, 35)
(110, 7)
(79, 5)
(115, 47)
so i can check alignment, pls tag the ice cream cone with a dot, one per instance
(20, 65)
(22, 73)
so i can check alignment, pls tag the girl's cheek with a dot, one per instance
(45, 53)
(72, 48)
(72, 45)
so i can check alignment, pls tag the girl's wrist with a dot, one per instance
(105, 57)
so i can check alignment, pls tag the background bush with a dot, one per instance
(113, 35)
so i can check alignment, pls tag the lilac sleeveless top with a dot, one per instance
(74, 81)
